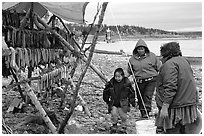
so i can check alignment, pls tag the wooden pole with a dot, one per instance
(38, 25)
(84, 40)
(69, 113)
(24, 20)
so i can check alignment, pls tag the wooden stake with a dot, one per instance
(69, 113)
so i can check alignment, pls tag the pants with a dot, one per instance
(147, 91)
(117, 113)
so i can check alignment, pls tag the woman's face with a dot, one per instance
(118, 77)
(141, 50)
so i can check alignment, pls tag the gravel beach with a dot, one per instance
(91, 91)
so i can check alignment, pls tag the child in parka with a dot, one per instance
(118, 95)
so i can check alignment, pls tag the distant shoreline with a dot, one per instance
(156, 39)
(135, 38)
(192, 60)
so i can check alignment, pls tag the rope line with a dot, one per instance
(137, 88)
(136, 85)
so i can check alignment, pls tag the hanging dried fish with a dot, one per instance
(44, 55)
(23, 39)
(46, 43)
(26, 57)
(39, 55)
(13, 36)
(29, 56)
(26, 35)
(23, 58)
(32, 58)
(18, 51)
(35, 39)
(31, 39)
(18, 38)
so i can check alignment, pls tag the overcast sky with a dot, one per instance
(170, 16)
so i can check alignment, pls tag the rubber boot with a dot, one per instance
(113, 128)
(123, 130)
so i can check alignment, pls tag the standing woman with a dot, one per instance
(145, 66)
(176, 96)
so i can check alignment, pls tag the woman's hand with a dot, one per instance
(164, 111)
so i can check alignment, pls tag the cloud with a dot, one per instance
(160, 15)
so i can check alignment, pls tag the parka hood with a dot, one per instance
(140, 43)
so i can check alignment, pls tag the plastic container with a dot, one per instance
(145, 127)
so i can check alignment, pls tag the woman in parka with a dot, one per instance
(118, 95)
(176, 96)
(144, 66)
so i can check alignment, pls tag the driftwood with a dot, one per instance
(108, 52)
(69, 113)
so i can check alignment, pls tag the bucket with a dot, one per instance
(145, 127)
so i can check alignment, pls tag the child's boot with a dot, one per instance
(114, 128)
(123, 130)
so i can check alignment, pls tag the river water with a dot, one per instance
(190, 48)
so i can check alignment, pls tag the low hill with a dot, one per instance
(127, 31)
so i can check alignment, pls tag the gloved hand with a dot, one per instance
(109, 107)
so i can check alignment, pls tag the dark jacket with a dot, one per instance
(115, 93)
(176, 84)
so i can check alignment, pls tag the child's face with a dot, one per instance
(141, 50)
(118, 77)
